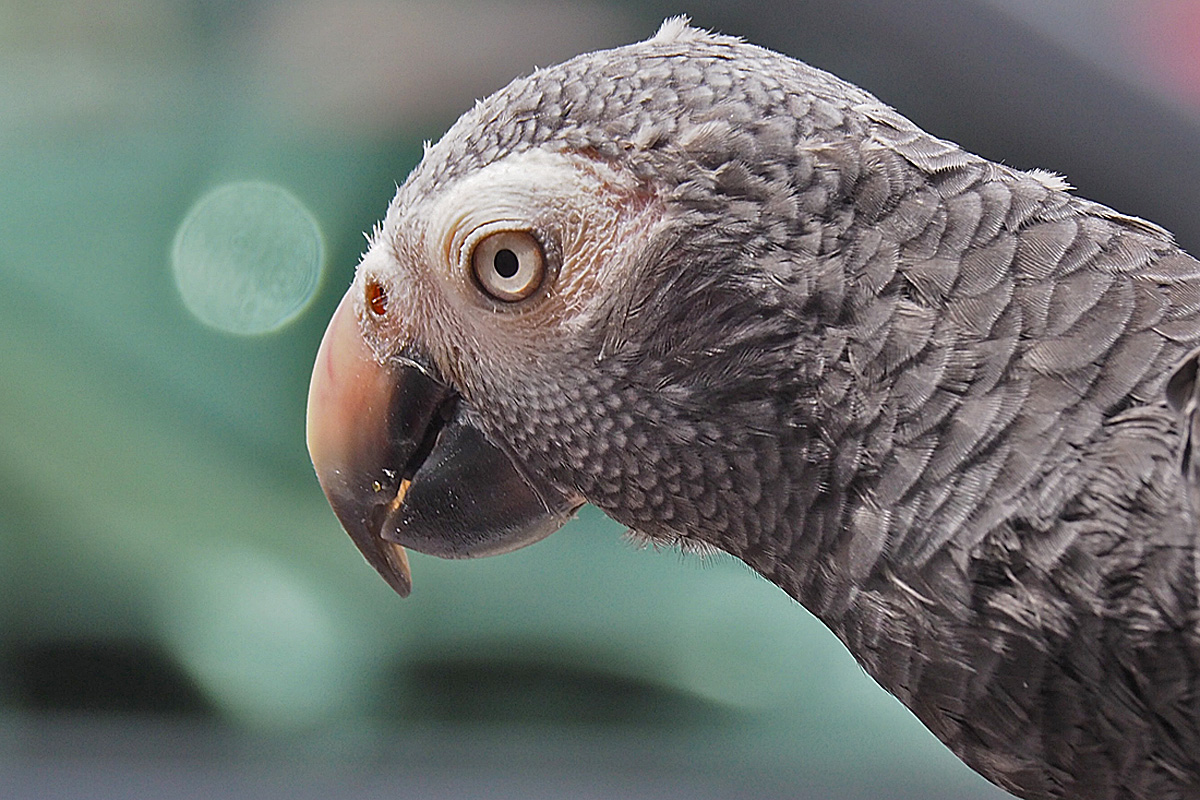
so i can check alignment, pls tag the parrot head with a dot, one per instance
(461, 306)
(567, 302)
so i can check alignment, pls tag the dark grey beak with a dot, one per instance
(402, 464)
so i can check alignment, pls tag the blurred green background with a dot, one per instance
(180, 612)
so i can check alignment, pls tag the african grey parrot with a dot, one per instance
(738, 303)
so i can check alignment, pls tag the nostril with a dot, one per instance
(377, 299)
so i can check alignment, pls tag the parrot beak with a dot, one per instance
(401, 464)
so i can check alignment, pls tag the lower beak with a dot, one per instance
(401, 463)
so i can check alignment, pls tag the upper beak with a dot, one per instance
(401, 463)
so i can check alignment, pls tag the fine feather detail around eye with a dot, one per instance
(509, 265)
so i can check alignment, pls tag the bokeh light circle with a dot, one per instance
(247, 257)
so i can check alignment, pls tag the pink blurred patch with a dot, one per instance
(1164, 37)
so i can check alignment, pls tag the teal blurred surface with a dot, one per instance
(180, 610)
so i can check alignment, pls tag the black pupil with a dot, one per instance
(506, 263)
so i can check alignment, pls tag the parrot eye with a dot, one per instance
(376, 298)
(509, 265)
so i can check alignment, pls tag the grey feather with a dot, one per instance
(925, 394)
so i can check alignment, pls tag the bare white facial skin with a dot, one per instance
(583, 218)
